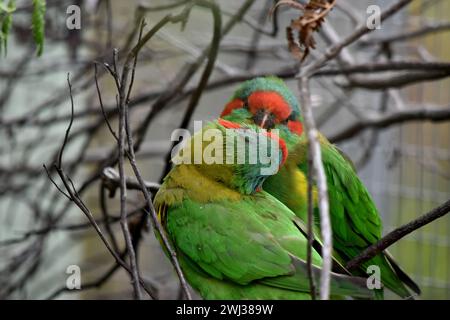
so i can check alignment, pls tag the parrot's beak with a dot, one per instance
(264, 120)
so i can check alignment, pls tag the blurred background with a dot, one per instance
(405, 164)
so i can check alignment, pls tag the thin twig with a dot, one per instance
(111, 178)
(212, 56)
(70, 124)
(315, 157)
(312, 285)
(332, 52)
(124, 126)
(136, 235)
(66, 227)
(123, 107)
(132, 159)
(75, 198)
(106, 216)
(181, 79)
(100, 100)
(395, 235)
(385, 66)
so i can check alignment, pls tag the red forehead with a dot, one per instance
(233, 104)
(271, 101)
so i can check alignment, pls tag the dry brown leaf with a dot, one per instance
(313, 15)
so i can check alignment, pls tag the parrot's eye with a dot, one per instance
(291, 117)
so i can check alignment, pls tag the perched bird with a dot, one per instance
(234, 240)
(356, 224)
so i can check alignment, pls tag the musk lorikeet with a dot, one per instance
(356, 224)
(233, 240)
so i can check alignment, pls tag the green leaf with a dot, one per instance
(10, 8)
(38, 24)
(6, 24)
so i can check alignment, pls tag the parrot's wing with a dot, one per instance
(353, 214)
(355, 219)
(227, 240)
(235, 241)
(346, 157)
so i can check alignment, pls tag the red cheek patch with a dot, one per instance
(295, 127)
(228, 124)
(233, 104)
(270, 101)
(281, 144)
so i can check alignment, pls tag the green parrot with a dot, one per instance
(356, 224)
(234, 240)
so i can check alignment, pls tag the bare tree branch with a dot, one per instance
(75, 198)
(425, 30)
(315, 157)
(395, 235)
(358, 33)
(384, 121)
(112, 180)
(386, 66)
(397, 81)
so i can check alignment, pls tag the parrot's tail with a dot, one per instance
(402, 276)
